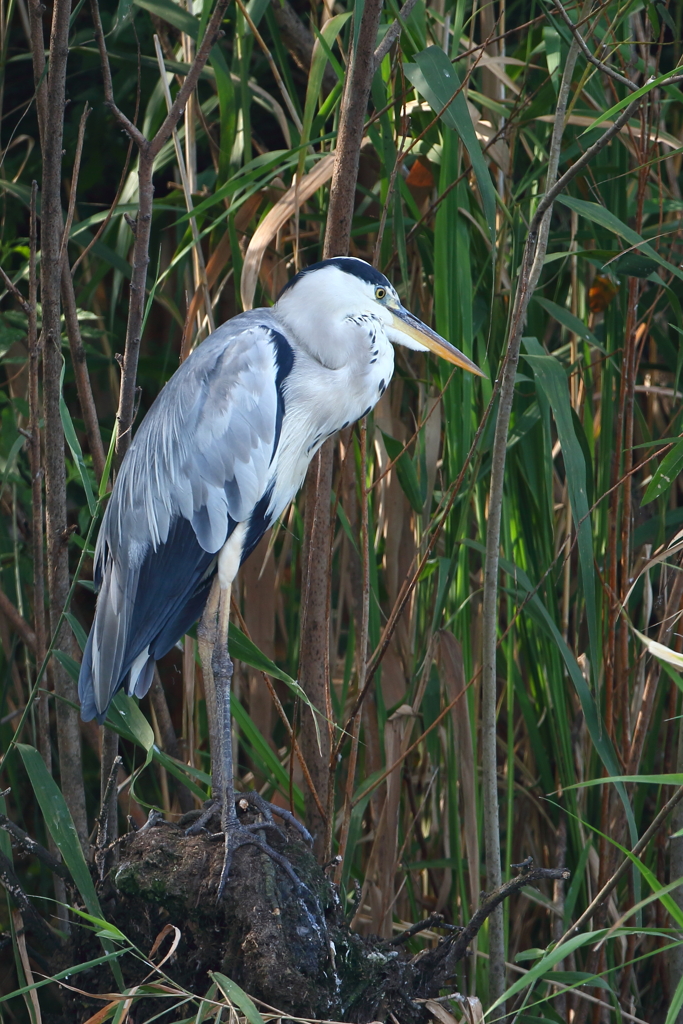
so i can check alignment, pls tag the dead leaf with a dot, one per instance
(102, 1013)
(166, 930)
(601, 293)
(440, 1012)
(275, 219)
(23, 955)
(420, 174)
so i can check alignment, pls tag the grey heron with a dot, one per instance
(219, 456)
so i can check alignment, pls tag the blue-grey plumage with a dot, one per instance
(222, 452)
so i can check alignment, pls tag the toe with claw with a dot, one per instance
(235, 834)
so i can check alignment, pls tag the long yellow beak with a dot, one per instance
(407, 324)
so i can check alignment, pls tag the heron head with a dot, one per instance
(346, 287)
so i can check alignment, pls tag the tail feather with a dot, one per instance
(86, 692)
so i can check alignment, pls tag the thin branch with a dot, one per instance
(106, 819)
(532, 263)
(362, 649)
(24, 840)
(393, 32)
(36, 11)
(17, 621)
(201, 282)
(51, 264)
(148, 151)
(15, 291)
(458, 947)
(133, 132)
(585, 158)
(35, 455)
(80, 368)
(283, 717)
(432, 921)
(315, 632)
(110, 213)
(409, 585)
(33, 919)
(585, 50)
(74, 178)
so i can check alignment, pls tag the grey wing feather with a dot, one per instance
(203, 452)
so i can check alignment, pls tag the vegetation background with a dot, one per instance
(497, 697)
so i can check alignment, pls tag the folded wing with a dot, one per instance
(199, 464)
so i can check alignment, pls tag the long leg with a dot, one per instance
(221, 665)
(217, 664)
(206, 641)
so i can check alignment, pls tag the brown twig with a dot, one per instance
(283, 717)
(362, 650)
(314, 661)
(36, 11)
(106, 824)
(393, 32)
(68, 733)
(585, 50)
(15, 291)
(110, 212)
(33, 919)
(74, 179)
(17, 621)
(24, 840)
(458, 946)
(35, 456)
(431, 921)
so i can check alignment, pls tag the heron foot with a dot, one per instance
(200, 819)
(236, 835)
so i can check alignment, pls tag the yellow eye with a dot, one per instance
(380, 292)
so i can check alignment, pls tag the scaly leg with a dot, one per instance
(212, 636)
(221, 667)
(206, 641)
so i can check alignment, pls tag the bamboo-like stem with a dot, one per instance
(532, 263)
(314, 669)
(34, 355)
(68, 734)
(35, 11)
(362, 649)
(74, 179)
(85, 396)
(314, 659)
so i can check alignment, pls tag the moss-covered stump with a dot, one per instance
(264, 935)
(290, 947)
